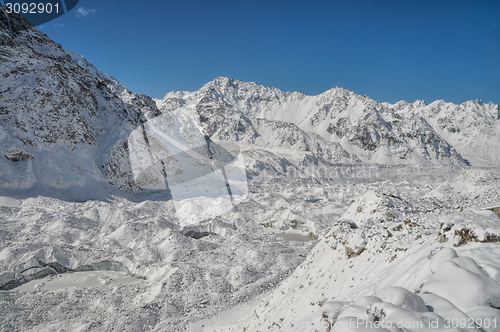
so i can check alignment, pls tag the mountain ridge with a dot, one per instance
(350, 114)
(64, 123)
(59, 109)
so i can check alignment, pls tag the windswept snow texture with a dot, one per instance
(238, 207)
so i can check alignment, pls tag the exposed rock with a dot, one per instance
(16, 155)
(353, 252)
(496, 211)
(465, 236)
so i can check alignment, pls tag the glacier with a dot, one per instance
(238, 207)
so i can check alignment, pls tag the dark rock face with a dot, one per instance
(365, 137)
(341, 127)
(13, 24)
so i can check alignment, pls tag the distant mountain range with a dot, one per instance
(341, 126)
(64, 124)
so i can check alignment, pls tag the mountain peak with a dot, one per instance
(419, 103)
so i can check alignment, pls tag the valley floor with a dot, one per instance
(315, 250)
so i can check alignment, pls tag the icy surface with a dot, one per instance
(238, 207)
(75, 279)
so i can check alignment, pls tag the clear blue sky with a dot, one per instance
(389, 50)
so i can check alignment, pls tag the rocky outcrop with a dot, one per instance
(16, 155)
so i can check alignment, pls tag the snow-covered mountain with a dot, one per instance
(341, 126)
(63, 123)
(286, 212)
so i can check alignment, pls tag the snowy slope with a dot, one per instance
(472, 127)
(63, 123)
(396, 262)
